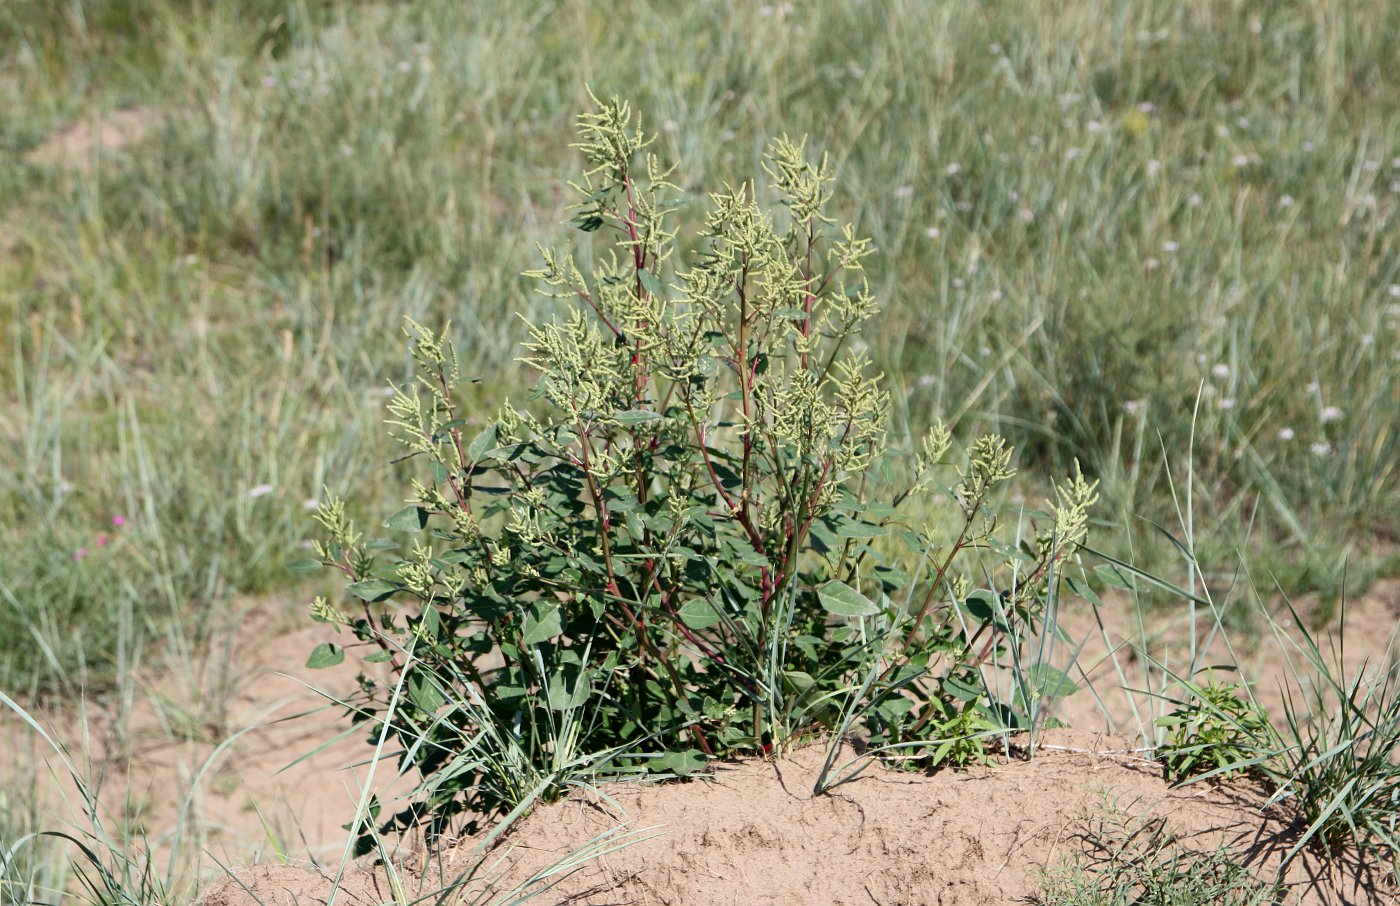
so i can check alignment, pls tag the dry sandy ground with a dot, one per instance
(755, 833)
(222, 751)
(215, 754)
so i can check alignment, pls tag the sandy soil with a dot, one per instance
(222, 751)
(755, 833)
(215, 754)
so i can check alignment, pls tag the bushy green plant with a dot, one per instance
(1215, 730)
(690, 543)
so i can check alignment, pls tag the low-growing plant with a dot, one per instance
(1142, 862)
(1215, 730)
(693, 538)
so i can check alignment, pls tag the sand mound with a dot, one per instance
(755, 833)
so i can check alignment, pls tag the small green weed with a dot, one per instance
(1142, 862)
(1215, 731)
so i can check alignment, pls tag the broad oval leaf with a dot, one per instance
(408, 519)
(325, 655)
(844, 601)
(372, 589)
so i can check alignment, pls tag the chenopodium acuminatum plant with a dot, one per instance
(693, 540)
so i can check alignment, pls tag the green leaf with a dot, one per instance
(649, 282)
(482, 444)
(372, 589)
(1082, 589)
(542, 623)
(1112, 575)
(408, 519)
(325, 655)
(631, 417)
(305, 566)
(566, 689)
(844, 601)
(682, 764)
(1050, 682)
(698, 613)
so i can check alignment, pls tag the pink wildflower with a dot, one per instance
(119, 521)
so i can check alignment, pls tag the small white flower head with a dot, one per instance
(1227, 402)
(1147, 107)
(1200, 358)
(1170, 247)
(953, 169)
(997, 295)
(904, 192)
(1393, 290)
(856, 71)
(1026, 215)
(1370, 166)
(1013, 195)
(1320, 448)
(1240, 160)
(927, 380)
(405, 66)
(1072, 153)
(1132, 407)
(957, 282)
(1285, 201)
(1194, 200)
(1154, 167)
(1308, 146)
(1395, 187)
(64, 487)
(1368, 339)
(1035, 141)
(1242, 122)
(1331, 413)
(985, 351)
(1312, 386)
(310, 503)
(1094, 127)
(269, 81)
(1152, 264)
(1393, 310)
(260, 490)
(1222, 131)
(1286, 434)
(671, 126)
(1220, 370)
